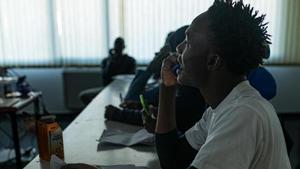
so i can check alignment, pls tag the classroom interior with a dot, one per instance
(58, 46)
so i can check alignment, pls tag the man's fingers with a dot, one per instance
(170, 61)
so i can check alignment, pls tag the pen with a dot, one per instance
(175, 69)
(145, 105)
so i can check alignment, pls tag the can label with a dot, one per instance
(50, 140)
(56, 143)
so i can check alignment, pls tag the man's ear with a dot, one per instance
(214, 62)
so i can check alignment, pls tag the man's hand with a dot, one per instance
(167, 77)
(78, 166)
(149, 121)
(131, 105)
(155, 64)
(109, 111)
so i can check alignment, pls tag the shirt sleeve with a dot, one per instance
(196, 135)
(174, 151)
(232, 140)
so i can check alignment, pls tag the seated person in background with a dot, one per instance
(240, 129)
(115, 64)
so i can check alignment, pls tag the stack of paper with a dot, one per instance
(121, 167)
(126, 139)
(57, 163)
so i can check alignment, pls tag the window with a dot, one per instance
(52, 32)
(80, 32)
(25, 33)
(147, 23)
(284, 23)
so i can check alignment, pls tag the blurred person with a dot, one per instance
(115, 64)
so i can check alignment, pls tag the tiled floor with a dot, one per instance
(27, 137)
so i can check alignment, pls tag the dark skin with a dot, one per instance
(148, 121)
(155, 64)
(202, 67)
(119, 46)
(78, 166)
(110, 110)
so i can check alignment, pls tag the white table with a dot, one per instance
(80, 137)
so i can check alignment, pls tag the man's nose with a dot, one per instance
(179, 58)
(179, 48)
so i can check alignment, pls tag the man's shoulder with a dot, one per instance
(129, 59)
(105, 59)
(249, 99)
(248, 109)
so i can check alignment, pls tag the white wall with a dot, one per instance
(288, 88)
(50, 82)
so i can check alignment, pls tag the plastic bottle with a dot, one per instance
(50, 138)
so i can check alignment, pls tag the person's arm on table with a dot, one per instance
(78, 166)
(173, 151)
(129, 116)
(138, 84)
(140, 80)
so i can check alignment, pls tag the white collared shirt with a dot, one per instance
(242, 132)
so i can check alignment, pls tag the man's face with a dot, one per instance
(193, 52)
(119, 46)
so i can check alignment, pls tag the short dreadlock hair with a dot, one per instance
(240, 34)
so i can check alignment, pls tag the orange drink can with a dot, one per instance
(50, 138)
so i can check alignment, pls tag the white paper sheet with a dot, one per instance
(127, 139)
(56, 163)
(122, 167)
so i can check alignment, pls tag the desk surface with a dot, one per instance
(80, 137)
(12, 105)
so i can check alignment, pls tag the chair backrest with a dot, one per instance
(263, 81)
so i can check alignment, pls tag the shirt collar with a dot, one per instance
(233, 95)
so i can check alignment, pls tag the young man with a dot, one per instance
(240, 129)
(116, 63)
